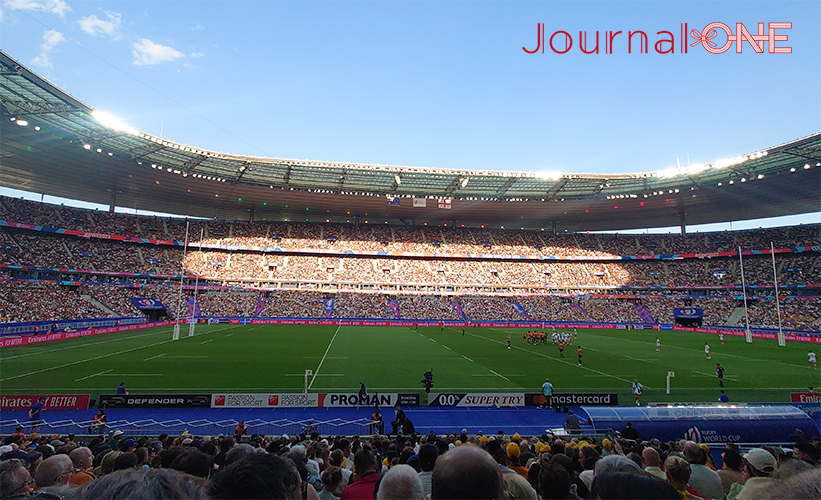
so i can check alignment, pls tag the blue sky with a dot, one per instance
(439, 84)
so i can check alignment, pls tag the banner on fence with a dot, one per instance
(477, 399)
(155, 401)
(573, 399)
(53, 401)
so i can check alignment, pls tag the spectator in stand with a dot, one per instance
(759, 467)
(466, 472)
(652, 462)
(256, 476)
(401, 482)
(366, 473)
(733, 470)
(428, 453)
(145, 484)
(54, 472)
(629, 432)
(702, 478)
(555, 482)
(82, 459)
(15, 480)
(331, 480)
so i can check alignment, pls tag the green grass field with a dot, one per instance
(251, 358)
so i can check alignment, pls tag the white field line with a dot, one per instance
(701, 351)
(467, 358)
(49, 351)
(84, 378)
(498, 375)
(206, 341)
(56, 367)
(558, 360)
(187, 357)
(731, 377)
(155, 357)
(133, 375)
(323, 357)
(318, 374)
(642, 360)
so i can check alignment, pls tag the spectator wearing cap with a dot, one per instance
(82, 459)
(513, 454)
(526, 455)
(702, 478)
(129, 444)
(428, 454)
(759, 466)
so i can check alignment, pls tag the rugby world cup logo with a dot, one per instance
(693, 434)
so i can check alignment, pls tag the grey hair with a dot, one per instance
(401, 482)
(618, 463)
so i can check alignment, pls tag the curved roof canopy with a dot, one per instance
(55, 144)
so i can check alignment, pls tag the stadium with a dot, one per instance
(298, 295)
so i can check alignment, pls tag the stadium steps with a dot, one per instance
(99, 305)
(736, 315)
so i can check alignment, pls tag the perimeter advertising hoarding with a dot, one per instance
(155, 401)
(477, 399)
(573, 399)
(53, 401)
(349, 399)
(226, 400)
(311, 400)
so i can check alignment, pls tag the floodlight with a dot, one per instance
(86, 146)
(22, 123)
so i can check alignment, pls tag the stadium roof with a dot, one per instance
(54, 144)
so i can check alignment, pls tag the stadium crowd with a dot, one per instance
(113, 261)
(413, 466)
(44, 300)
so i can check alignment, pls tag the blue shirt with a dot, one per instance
(35, 410)
(121, 389)
(547, 389)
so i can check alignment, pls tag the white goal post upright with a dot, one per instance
(176, 335)
(749, 335)
(308, 373)
(193, 320)
(781, 340)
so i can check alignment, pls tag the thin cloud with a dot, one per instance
(50, 40)
(59, 7)
(148, 53)
(93, 25)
